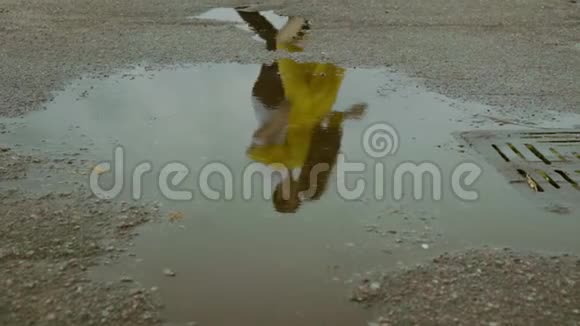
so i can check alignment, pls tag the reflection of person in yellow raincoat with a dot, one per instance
(294, 101)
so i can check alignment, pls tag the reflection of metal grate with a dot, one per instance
(542, 161)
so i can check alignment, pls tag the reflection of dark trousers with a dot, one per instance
(262, 27)
(268, 88)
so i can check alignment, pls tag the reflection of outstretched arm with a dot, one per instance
(323, 151)
(335, 118)
(261, 26)
(356, 111)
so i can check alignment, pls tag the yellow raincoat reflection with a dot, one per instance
(299, 130)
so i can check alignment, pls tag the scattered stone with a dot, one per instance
(372, 228)
(366, 291)
(175, 216)
(168, 272)
(147, 316)
(485, 287)
(558, 209)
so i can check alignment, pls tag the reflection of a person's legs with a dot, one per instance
(261, 26)
(268, 90)
(268, 87)
(292, 30)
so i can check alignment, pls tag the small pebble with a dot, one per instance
(168, 272)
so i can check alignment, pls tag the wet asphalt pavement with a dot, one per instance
(520, 60)
(514, 55)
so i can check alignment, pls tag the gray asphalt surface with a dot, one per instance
(520, 55)
(49, 239)
(482, 287)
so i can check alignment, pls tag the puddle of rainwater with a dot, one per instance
(243, 261)
(264, 261)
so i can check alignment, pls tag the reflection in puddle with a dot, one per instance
(299, 133)
(241, 262)
(244, 19)
(232, 15)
